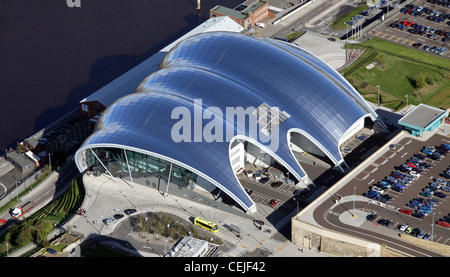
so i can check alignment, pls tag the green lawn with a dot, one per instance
(339, 23)
(406, 53)
(398, 71)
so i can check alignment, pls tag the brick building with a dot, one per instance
(246, 15)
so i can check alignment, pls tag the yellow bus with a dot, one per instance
(205, 224)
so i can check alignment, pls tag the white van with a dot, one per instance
(260, 24)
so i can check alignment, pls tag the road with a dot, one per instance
(332, 221)
(330, 217)
(47, 191)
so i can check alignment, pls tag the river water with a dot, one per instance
(52, 56)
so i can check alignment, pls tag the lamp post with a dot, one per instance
(406, 100)
(432, 228)
(354, 193)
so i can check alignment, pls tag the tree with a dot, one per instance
(43, 228)
(421, 81)
(25, 236)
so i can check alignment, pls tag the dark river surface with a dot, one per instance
(53, 56)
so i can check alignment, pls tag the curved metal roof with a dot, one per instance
(228, 70)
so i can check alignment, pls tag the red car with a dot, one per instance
(443, 223)
(411, 165)
(407, 23)
(2, 222)
(274, 202)
(406, 211)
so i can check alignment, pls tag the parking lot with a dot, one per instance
(264, 192)
(397, 208)
(423, 24)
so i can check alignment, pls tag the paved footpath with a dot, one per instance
(104, 198)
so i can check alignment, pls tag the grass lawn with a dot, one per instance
(339, 23)
(398, 76)
(407, 53)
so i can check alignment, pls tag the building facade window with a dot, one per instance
(122, 163)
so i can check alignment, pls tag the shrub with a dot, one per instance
(421, 81)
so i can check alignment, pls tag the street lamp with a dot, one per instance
(432, 227)
(406, 100)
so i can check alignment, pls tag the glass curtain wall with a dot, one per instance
(140, 165)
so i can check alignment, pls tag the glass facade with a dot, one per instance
(224, 70)
(120, 163)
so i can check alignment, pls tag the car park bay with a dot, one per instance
(420, 24)
(384, 166)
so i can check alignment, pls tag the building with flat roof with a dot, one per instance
(21, 161)
(220, 100)
(246, 14)
(188, 247)
(422, 118)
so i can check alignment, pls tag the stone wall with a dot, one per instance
(431, 245)
(332, 243)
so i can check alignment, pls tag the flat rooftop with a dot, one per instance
(241, 14)
(422, 116)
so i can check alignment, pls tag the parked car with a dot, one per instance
(426, 194)
(118, 216)
(378, 189)
(434, 157)
(384, 185)
(405, 168)
(129, 211)
(403, 227)
(371, 217)
(446, 188)
(445, 175)
(384, 199)
(440, 195)
(397, 175)
(415, 232)
(274, 202)
(360, 137)
(418, 215)
(109, 221)
(414, 173)
(372, 194)
(346, 150)
(405, 211)
(52, 251)
(421, 234)
(276, 184)
(441, 182)
(443, 224)
(386, 222)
